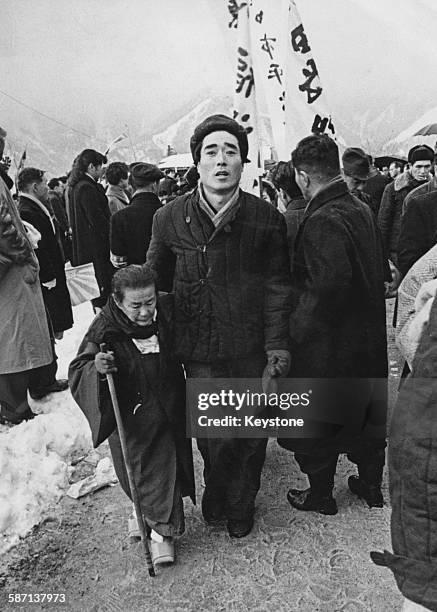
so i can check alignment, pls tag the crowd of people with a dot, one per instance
(199, 279)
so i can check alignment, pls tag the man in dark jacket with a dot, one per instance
(290, 196)
(56, 204)
(231, 286)
(131, 228)
(337, 328)
(33, 192)
(89, 217)
(375, 185)
(420, 159)
(418, 230)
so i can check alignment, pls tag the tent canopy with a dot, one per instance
(180, 160)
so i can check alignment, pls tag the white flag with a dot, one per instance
(306, 108)
(245, 108)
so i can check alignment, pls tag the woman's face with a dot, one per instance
(139, 305)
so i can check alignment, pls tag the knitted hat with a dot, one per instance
(218, 123)
(420, 153)
(356, 163)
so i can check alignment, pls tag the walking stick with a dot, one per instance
(130, 475)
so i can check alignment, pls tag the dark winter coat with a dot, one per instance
(374, 188)
(418, 230)
(423, 188)
(389, 216)
(337, 325)
(231, 283)
(151, 393)
(131, 228)
(57, 206)
(51, 263)
(412, 477)
(89, 217)
(293, 217)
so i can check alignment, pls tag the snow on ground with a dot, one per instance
(35, 456)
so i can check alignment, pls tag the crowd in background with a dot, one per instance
(315, 264)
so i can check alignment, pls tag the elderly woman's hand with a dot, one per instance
(105, 363)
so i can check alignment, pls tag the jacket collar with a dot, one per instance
(336, 188)
(117, 192)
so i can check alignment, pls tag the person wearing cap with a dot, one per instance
(356, 172)
(338, 331)
(131, 228)
(420, 160)
(232, 291)
(375, 185)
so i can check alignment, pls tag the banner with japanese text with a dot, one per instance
(284, 77)
(245, 108)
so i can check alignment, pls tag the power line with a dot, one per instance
(35, 110)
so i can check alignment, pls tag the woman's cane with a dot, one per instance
(129, 471)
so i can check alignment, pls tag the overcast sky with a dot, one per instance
(142, 59)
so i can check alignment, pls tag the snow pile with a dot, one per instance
(35, 456)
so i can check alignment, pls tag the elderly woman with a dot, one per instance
(136, 327)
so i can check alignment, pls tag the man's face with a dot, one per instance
(420, 170)
(354, 184)
(220, 164)
(139, 305)
(41, 190)
(59, 189)
(394, 170)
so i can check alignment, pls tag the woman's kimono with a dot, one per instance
(151, 394)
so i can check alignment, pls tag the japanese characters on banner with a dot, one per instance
(306, 108)
(284, 76)
(245, 111)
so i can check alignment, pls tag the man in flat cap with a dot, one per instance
(420, 160)
(231, 286)
(131, 228)
(356, 171)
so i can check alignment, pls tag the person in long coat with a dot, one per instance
(131, 228)
(150, 385)
(231, 286)
(31, 205)
(412, 463)
(89, 216)
(24, 333)
(337, 328)
(420, 159)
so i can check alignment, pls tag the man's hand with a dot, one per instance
(105, 363)
(278, 362)
(50, 284)
(391, 289)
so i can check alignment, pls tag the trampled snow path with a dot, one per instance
(35, 457)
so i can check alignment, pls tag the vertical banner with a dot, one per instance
(268, 30)
(306, 108)
(245, 108)
(277, 71)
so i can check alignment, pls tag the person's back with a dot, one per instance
(131, 228)
(374, 187)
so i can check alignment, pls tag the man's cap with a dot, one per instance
(420, 153)
(219, 123)
(144, 174)
(356, 163)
